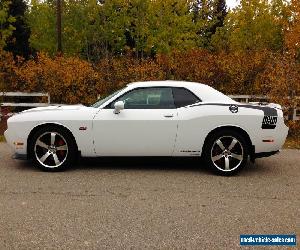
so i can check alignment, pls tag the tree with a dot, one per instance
(6, 21)
(171, 26)
(137, 33)
(253, 25)
(208, 15)
(79, 26)
(292, 29)
(219, 13)
(41, 19)
(18, 42)
(107, 29)
(281, 81)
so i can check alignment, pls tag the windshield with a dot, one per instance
(103, 100)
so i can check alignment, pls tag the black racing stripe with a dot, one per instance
(268, 111)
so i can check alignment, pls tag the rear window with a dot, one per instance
(184, 97)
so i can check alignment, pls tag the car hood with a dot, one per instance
(54, 107)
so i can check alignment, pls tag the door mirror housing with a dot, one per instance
(118, 107)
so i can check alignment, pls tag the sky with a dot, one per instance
(232, 3)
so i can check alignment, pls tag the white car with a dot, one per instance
(156, 118)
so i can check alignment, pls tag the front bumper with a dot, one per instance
(17, 143)
(20, 156)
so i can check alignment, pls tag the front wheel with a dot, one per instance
(52, 149)
(226, 152)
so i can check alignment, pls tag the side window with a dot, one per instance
(147, 98)
(184, 97)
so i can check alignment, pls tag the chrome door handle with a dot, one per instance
(169, 116)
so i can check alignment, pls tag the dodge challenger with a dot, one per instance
(155, 118)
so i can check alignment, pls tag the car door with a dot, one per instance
(190, 123)
(146, 127)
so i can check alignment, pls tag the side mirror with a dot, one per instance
(118, 107)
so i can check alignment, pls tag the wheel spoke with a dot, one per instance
(45, 156)
(236, 156)
(217, 157)
(231, 146)
(41, 144)
(53, 138)
(220, 144)
(227, 163)
(63, 147)
(56, 160)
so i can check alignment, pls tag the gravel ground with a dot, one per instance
(146, 204)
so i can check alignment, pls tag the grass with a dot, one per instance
(292, 142)
(2, 139)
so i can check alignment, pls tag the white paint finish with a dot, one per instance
(70, 117)
(135, 132)
(148, 132)
(195, 123)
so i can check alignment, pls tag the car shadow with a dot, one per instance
(196, 165)
(142, 163)
(164, 164)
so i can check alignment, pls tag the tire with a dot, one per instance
(226, 152)
(52, 148)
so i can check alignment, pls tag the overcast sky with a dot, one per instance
(232, 3)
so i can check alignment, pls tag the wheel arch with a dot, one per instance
(233, 128)
(42, 125)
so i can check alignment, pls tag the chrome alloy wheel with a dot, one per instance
(227, 153)
(51, 149)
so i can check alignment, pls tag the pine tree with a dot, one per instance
(18, 42)
(6, 21)
(219, 13)
(208, 15)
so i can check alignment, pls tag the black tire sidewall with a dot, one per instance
(210, 142)
(70, 143)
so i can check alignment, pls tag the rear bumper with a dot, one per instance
(265, 154)
(254, 155)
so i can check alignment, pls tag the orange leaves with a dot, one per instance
(193, 65)
(68, 80)
(73, 80)
(115, 73)
(7, 71)
(281, 81)
(292, 29)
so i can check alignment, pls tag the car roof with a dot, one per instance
(167, 83)
(204, 92)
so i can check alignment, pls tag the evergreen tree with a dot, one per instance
(6, 21)
(208, 15)
(219, 13)
(18, 42)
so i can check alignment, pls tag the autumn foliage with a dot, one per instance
(74, 80)
(67, 80)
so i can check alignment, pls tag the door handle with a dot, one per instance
(169, 116)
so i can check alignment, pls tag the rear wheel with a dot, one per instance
(226, 152)
(52, 149)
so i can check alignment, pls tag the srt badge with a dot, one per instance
(234, 108)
